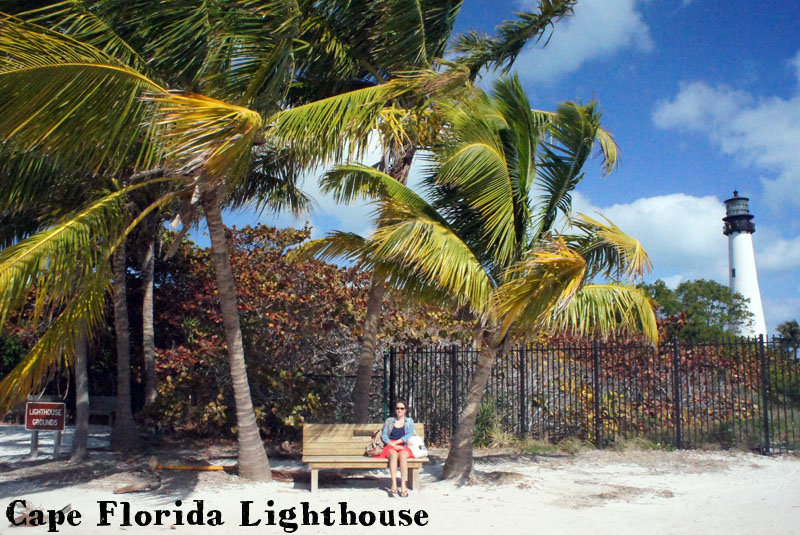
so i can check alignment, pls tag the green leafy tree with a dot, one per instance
(709, 309)
(484, 235)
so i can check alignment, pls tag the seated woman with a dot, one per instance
(396, 433)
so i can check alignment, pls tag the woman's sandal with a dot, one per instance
(393, 493)
(404, 494)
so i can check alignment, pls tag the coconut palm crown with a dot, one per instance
(492, 231)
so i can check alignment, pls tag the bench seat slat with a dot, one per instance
(352, 459)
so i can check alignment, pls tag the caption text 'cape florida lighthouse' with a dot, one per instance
(739, 229)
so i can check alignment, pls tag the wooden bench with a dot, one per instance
(103, 406)
(341, 446)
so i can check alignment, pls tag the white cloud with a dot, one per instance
(759, 133)
(599, 28)
(681, 233)
(775, 253)
(795, 64)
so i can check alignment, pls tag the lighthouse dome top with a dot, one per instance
(737, 215)
(737, 205)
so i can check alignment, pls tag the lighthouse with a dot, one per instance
(739, 229)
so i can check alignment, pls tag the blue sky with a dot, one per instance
(702, 96)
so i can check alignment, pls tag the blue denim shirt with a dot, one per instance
(408, 429)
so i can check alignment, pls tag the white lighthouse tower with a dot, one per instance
(739, 229)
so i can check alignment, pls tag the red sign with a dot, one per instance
(45, 416)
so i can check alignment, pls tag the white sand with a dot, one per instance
(595, 492)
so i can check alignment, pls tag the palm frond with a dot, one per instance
(398, 39)
(200, 133)
(335, 128)
(271, 184)
(439, 18)
(535, 286)
(477, 165)
(481, 51)
(51, 261)
(432, 252)
(573, 132)
(51, 90)
(605, 308)
(609, 250)
(250, 52)
(88, 22)
(84, 311)
(354, 182)
(174, 37)
(336, 245)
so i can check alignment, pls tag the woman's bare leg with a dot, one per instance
(393, 469)
(403, 471)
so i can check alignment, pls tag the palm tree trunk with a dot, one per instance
(148, 331)
(459, 458)
(366, 356)
(124, 435)
(253, 462)
(80, 439)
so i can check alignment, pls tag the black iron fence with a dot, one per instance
(742, 393)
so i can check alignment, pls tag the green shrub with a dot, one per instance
(486, 423)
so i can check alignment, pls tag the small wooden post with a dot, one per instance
(57, 446)
(34, 444)
(314, 479)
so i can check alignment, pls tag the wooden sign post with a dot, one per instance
(45, 416)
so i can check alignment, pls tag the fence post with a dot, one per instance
(523, 417)
(676, 394)
(596, 380)
(453, 391)
(764, 393)
(392, 375)
(384, 391)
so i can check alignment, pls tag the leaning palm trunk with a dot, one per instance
(80, 439)
(124, 435)
(459, 458)
(253, 462)
(148, 334)
(366, 356)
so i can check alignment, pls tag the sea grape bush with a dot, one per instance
(300, 324)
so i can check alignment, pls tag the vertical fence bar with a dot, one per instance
(384, 390)
(453, 391)
(676, 395)
(523, 418)
(392, 375)
(764, 393)
(596, 394)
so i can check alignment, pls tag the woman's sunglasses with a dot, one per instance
(399, 408)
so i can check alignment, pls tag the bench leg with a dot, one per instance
(413, 479)
(314, 479)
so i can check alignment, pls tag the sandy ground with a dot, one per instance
(594, 492)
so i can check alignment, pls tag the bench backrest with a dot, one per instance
(343, 439)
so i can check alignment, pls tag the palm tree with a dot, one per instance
(790, 331)
(78, 104)
(370, 44)
(484, 236)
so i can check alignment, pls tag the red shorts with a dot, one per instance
(384, 454)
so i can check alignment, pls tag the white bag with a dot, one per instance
(417, 447)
